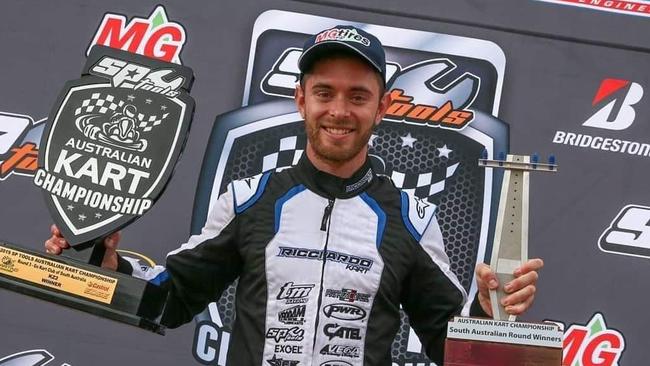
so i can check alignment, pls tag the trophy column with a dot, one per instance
(502, 341)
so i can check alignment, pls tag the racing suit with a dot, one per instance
(323, 265)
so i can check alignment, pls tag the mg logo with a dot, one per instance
(154, 37)
(620, 96)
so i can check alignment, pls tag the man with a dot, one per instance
(327, 251)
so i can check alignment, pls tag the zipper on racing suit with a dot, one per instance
(324, 226)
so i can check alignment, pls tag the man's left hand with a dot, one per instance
(521, 290)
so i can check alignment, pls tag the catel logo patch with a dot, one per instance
(112, 140)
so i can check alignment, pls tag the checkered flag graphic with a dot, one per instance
(106, 103)
(424, 185)
(283, 156)
(100, 104)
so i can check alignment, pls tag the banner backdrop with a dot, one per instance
(457, 86)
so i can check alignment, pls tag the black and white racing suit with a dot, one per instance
(323, 264)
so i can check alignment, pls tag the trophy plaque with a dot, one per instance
(107, 153)
(502, 340)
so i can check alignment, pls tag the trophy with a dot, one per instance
(108, 151)
(502, 340)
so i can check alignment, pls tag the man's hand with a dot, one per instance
(521, 290)
(56, 244)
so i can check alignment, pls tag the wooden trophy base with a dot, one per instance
(81, 286)
(487, 342)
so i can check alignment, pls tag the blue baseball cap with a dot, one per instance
(346, 38)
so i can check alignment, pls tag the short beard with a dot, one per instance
(333, 154)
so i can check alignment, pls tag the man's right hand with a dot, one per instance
(56, 244)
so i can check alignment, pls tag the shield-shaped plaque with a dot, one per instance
(112, 140)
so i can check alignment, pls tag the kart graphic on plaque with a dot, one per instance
(108, 151)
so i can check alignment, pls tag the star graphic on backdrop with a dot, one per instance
(131, 74)
(372, 140)
(130, 97)
(82, 217)
(163, 107)
(444, 151)
(98, 215)
(408, 140)
(148, 101)
(70, 207)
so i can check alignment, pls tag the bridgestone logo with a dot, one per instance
(602, 143)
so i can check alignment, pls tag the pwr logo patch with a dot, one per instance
(618, 114)
(154, 37)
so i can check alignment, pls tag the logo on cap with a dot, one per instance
(345, 35)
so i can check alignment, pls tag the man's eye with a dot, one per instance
(359, 98)
(323, 94)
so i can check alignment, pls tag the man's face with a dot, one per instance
(341, 101)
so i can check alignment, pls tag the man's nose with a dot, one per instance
(339, 108)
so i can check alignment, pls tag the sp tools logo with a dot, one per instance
(628, 233)
(293, 334)
(35, 357)
(154, 37)
(617, 102)
(112, 141)
(592, 344)
(426, 93)
(19, 140)
(618, 114)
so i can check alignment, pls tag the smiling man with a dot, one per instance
(325, 252)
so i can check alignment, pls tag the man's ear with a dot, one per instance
(299, 98)
(384, 103)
